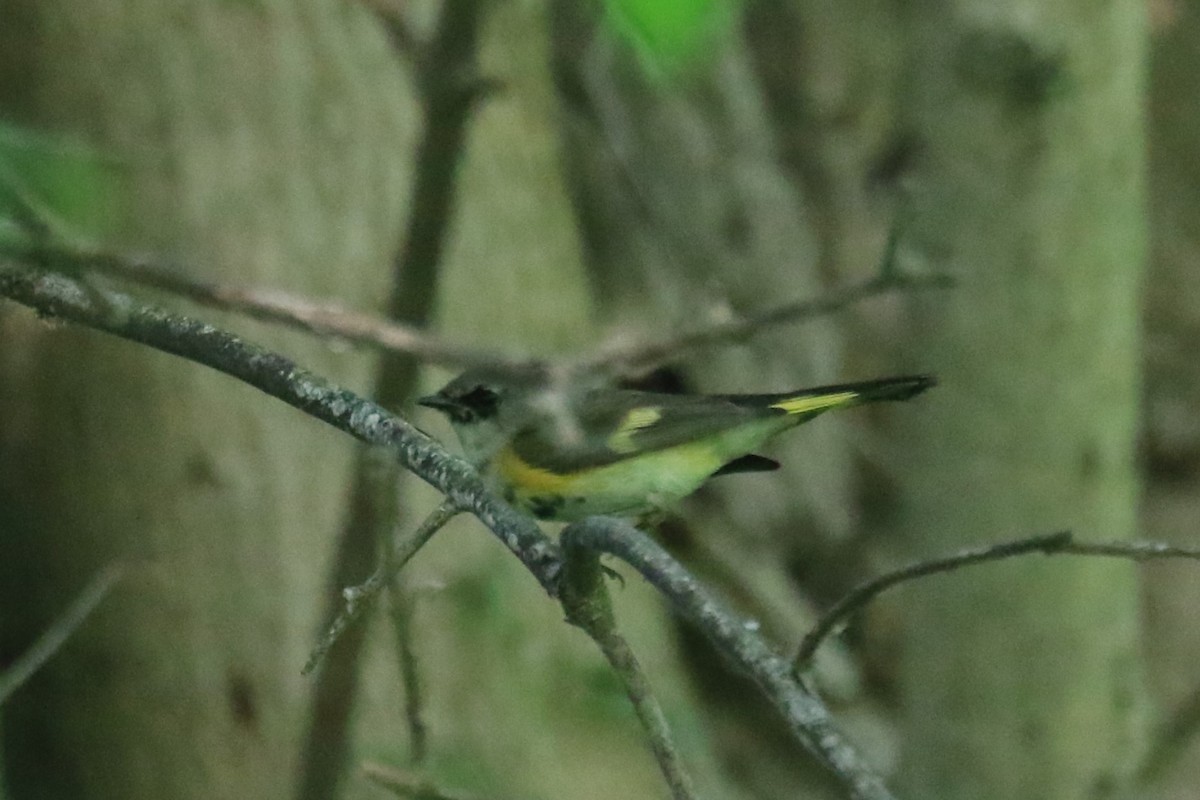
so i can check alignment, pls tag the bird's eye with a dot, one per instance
(481, 400)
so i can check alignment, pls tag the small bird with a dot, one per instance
(564, 450)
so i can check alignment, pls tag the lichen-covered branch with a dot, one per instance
(805, 716)
(58, 296)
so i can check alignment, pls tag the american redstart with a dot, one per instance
(563, 451)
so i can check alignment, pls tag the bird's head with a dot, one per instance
(488, 404)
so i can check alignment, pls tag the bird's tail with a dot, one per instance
(823, 398)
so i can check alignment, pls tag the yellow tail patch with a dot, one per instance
(815, 402)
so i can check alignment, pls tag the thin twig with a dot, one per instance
(53, 638)
(805, 716)
(402, 606)
(403, 784)
(642, 357)
(587, 604)
(370, 521)
(359, 599)
(1132, 551)
(649, 712)
(865, 592)
(1060, 543)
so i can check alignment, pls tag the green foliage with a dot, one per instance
(51, 188)
(670, 36)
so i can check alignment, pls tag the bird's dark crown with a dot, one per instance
(476, 394)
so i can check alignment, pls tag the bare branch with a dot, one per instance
(865, 592)
(270, 305)
(1060, 543)
(805, 716)
(53, 638)
(585, 599)
(643, 357)
(402, 606)
(360, 598)
(1133, 551)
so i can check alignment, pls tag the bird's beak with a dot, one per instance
(439, 402)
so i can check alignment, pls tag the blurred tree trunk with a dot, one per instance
(1023, 680)
(264, 142)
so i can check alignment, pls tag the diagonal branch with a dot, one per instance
(55, 295)
(320, 318)
(359, 599)
(807, 719)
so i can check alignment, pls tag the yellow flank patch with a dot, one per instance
(817, 402)
(622, 439)
(519, 473)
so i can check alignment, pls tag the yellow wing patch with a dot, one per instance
(639, 418)
(815, 402)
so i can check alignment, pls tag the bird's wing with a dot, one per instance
(610, 426)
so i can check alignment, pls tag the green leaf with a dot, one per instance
(52, 188)
(671, 36)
